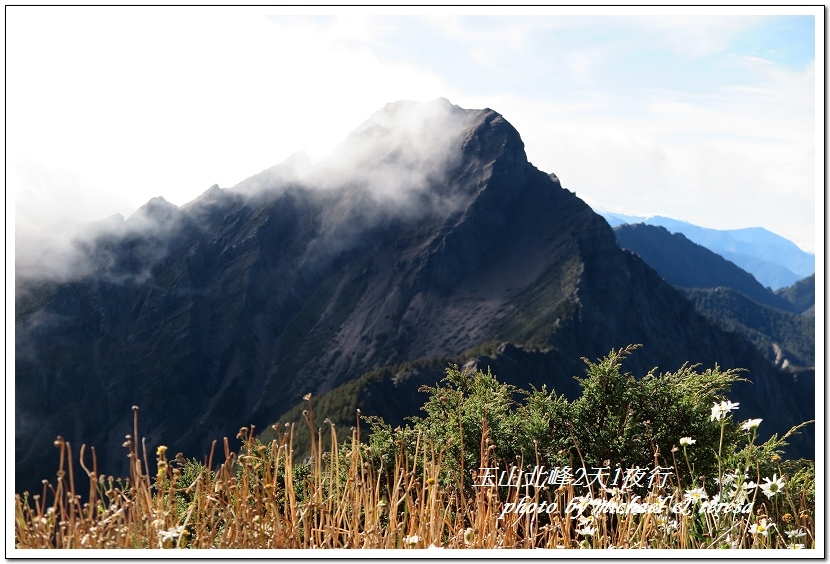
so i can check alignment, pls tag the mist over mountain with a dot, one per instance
(773, 260)
(426, 237)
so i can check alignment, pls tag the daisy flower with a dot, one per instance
(587, 530)
(719, 410)
(762, 527)
(772, 487)
(697, 494)
(170, 535)
(750, 424)
(411, 540)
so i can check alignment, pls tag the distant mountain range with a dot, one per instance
(779, 324)
(426, 238)
(773, 260)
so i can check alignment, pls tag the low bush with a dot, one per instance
(652, 462)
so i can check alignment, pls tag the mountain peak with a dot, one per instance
(425, 235)
(400, 106)
(402, 157)
(156, 209)
(413, 126)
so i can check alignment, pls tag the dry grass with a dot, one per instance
(259, 499)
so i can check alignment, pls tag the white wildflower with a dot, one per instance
(719, 410)
(762, 527)
(728, 478)
(664, 524)
(728, 406)
(614, 492)
(772, 487)
(584, 502)
(411, 540)
(751, 424)
(170, 535)
(587, 530)
(696, 495)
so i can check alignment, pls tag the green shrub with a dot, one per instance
(619, 421)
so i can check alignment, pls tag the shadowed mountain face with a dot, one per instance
(729, 296)
(774, 261)
(685, 264)
(427, 235)
(802, 296)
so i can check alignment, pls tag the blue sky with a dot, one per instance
(701, 116)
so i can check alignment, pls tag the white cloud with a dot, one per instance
(692, 36)
(114, 106)
(122, 104)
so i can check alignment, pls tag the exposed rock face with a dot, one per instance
(224, 312)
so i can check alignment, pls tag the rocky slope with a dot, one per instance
(427, 235)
